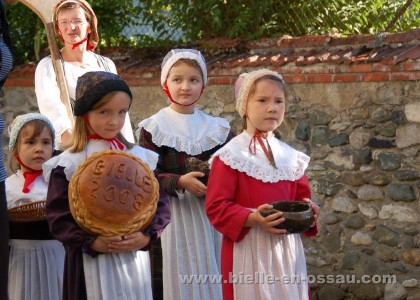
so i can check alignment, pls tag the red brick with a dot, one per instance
(411, 53)
(25, 82)
(346, 78)
(353, 40)
(219, 80)
(376, 77)
(380, 68)
(411, 66)
(319, 78)
(321, 69)
(405, 76)
(359, 68)
(294, 78)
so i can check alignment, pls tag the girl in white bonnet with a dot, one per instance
(36, 259)
(179, 133)
(251, 171)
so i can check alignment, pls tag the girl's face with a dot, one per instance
(33, 151)
(107, 120)
(185, 83)
(265, 107)
(73, 25)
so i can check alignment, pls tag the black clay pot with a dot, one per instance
(298, 215)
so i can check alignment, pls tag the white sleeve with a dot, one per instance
(48, 98)
(127, 130)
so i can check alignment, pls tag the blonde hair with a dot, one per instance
(81, 128)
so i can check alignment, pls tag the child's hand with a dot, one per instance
(190, 182)
(129, 242)
(101, 244)
(315, 209)
(266, 223)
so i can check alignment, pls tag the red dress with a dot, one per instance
(230, 194)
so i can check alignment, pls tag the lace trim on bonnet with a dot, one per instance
(291, 164)
(70, 161)
(192, 134)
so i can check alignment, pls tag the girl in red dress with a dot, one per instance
(254, 169)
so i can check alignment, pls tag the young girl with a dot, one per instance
(36, 260)
(75, 25)
(190, 245)
(99, 267)
(251, 171)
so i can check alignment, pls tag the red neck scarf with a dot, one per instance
(114, 143)
(258, 137)
(29, 176)
(166, 91)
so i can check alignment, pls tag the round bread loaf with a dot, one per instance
(113, 193)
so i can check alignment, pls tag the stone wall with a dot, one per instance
(363, 137)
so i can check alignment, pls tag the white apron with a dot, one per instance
(267, 266)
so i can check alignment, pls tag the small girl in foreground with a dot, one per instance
(251, 171)
(100, 267)
(36, 259)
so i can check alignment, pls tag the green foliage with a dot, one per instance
(156, 23)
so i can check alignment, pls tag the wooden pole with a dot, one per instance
(45, 11)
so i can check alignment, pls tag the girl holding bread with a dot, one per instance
(101, 266)
(254, 169)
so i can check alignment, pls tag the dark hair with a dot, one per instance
(36, 127)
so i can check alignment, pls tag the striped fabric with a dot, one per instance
(2, 169)
(6, 62)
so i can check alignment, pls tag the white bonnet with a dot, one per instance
(20, 121)
(176, 54)
(243, 85)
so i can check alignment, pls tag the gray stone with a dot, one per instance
(318, 117)
(361, 238)
(368, 251)
(401, 192)
(405, 137)
(381, 143)
(412, 112)
(343, 204)
(414, 297)
(366, 291)
(332, 241)
(331, 293)
(351, 178)
(380, 115)
(398, 117)
(387, 161)
(355, 221)
(374, 266)
(385, 235)
(411, 283)
(338, 161)
(386, 254)
(317, 262)
(370, 192)
(386, 130)
(351, 260)
(359, 138)
(330, 219)
(399, 214)
(400, 267)
(368, 211)
(320, 136)
(394, 292)
(378, 178)
(338, 140)
(407, 175)
(302, 130)
(326, 186)
(363, 156)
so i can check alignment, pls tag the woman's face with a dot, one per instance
(73, 25)
(265, 107)
(185, 83)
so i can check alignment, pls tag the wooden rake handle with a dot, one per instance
(45, 11)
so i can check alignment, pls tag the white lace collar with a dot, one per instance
(190, 133)
(291, 164)
(70, 161)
